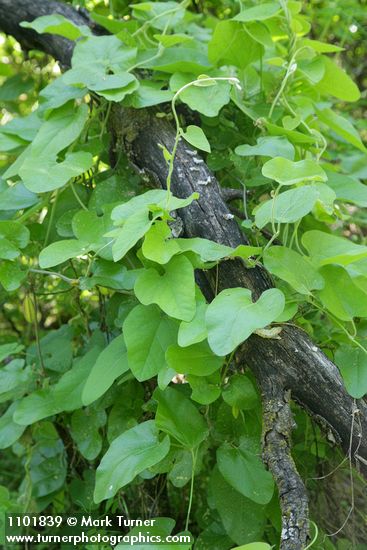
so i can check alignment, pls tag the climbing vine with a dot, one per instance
(119, 383)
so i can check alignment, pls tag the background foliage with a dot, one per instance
(100, 311)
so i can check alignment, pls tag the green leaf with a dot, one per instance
(254, 546)
(243, 519)
(196, 137)
(14, 232)
(65, 395)
(232, 316)
(287, 172)
(340, 295)
(293, 136)
(194, 331)
(205, 389)
(178, 417)
(169, 40)
(293, 268)
(11, 276)
(176, 59)
(10, 432)
(348, 189)
(16, 197)
(146, 348)
(159, 246)
(132, 231)
(10, 349)
(337, 83)
(268, 146)
(288, 207)
(45, 174)
(14, 380)
(240, 393)
(320, 47)
(129, 454)
(342, 127)
(111, 363)
(61, 251)
(245, 472)
(173, 291)
(57, 24)
(258, 13)
(197, 359)
(161, 529)
(159, 14)
(208, 99)
(85, 426)
(56, 349)
(352, 362)
(329, 249)
(153, 200)
(47, 468)
(231, 44)
(148, 94)
(102, 53)
(58, 92)
(8, 251)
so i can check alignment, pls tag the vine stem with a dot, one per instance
(292, 66)
(198, 81)
(55, 274)
(194, 456)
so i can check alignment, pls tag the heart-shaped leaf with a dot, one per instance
(232, 316)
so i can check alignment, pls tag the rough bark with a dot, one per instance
(291, 363)
(13, 12)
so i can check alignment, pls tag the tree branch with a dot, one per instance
(291, 363)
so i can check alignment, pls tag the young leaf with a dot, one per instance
(196, 137)
(232, 316)
(207, 97)
(129, 454)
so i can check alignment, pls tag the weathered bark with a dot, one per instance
(13, 12)
(292, 363)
